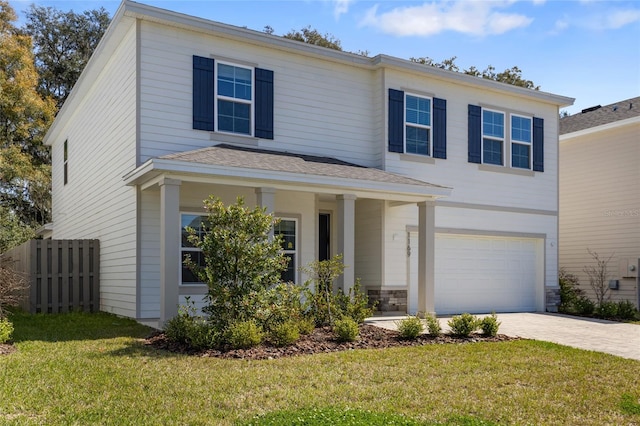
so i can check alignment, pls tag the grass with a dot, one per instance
(94, 369)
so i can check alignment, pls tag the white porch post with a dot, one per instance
(346, 239)
(169, 248)
(267, 198)
(426, 257)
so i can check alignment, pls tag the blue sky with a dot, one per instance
(586, 49)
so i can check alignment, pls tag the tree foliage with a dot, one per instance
(25, 117)
(63, 44)
(598, 274)
(311, 36)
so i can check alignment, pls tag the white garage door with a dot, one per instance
(481, 274)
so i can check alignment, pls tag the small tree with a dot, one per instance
(599, 277)
(323, 273)
(241, 259)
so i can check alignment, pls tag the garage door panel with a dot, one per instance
(480, 274)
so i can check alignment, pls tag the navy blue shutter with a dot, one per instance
(439, 128)
(203, 93)
(475, 134)
(264, 104)
(396, 120)
(538, 144)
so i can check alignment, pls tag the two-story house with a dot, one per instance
(440, 189)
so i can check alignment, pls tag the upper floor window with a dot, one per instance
(235, 99)
(66, 162)
(417, 125)
(492, 137)
(521, 138)
(187, 249)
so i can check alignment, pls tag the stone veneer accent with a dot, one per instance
(389, 300)
(552, 297)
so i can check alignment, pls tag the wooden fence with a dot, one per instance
(62, 275)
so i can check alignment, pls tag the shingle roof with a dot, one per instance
(597, 116)
(261, 159)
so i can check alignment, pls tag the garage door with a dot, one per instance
(480, 274)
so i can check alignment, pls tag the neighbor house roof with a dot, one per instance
(600, 115)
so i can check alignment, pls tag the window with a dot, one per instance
(235, 100)
(287, 229)
(492, 137)
(66, 162)
(521, 134)
(417, 125)
(187, 249)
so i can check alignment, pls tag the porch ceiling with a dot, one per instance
(232, 165)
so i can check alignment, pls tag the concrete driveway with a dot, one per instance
(584, 333)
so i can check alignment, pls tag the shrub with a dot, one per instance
(410, 327)
(202, 335)
(584, 306)
(356, 305)
(490, 325)
(243, 334)
(188, 328)
(569, 292)
(277, 305)
(285, 333)
(626, 310)
(607, 310)
(433, 325)
(306, 325)
(346, 329)
(463, 325)
(12, 285)
(6, 330)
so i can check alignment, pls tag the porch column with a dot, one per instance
(346, 239)
(267, 198)
(426, 256)
(169, 248)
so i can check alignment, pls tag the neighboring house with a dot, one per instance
(600, 194)
(440, 189)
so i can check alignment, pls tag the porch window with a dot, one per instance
(287, 229)
(187, 249)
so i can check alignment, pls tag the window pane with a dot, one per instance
(492, 152)
(417, 140)
(234, 117)
(234, 82)
(521, 129)
(287, 229)
(418, 110)
(193, 221)
(289, 274)
(520, 156)
(187, 274)
(493, 124)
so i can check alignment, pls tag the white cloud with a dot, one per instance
(475, 18)
(340, 7)
(620, 18)
(539, 2)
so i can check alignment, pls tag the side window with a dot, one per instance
(521, 138)
(234, 98)
(417, 125)
(287, 229)
(492, 137)
(187, 249)
(66, 161)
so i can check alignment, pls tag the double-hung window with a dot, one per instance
(492, 137)
(286, 228)
(66, 161)
(234, 91)
(187, 249)
(417, 125)
(521, 136)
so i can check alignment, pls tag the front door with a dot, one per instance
(324, 240)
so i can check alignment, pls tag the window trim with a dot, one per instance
(494, 138)
(217, 97)
(518, 142)
(295, 252)
(189, 249)
(429, 153)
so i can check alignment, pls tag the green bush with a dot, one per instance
(463, 325)
(433, 325)
(356, 304)
(607, 310)
(346, 329)
(178, 328)
(285, 333)
(569, 292)
(584, 306)
(6, 330)
(306, 326)
(626, 310)
(243, 334)
(277, 305)
(410, 327)
(202, 335)
(490, 325)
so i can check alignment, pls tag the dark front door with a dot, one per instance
(324, 245)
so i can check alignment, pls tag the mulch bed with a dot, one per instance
(322, 340)
(6, 349)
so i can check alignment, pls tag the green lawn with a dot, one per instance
(94, 369)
